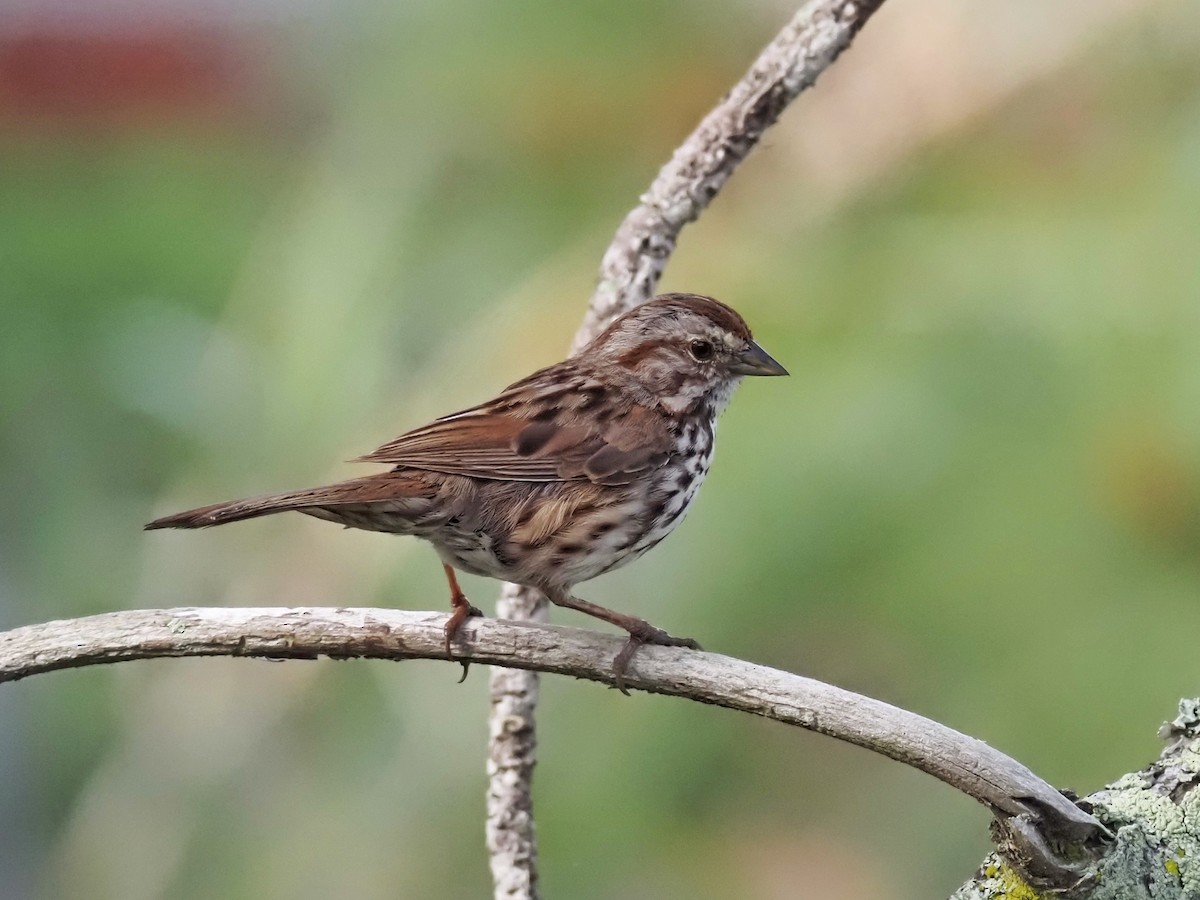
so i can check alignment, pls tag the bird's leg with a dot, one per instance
(640, 632)
(461, 610)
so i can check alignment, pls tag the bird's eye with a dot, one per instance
(702, 350)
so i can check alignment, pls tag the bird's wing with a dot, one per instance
(540, 429)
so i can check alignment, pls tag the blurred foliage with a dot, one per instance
(978, 496)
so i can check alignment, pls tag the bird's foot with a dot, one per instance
(461, 611)
(644, 633)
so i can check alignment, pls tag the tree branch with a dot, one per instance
(1013, 793)
(512, 754)
(1156, 816)
(629, 274)
(634, 261)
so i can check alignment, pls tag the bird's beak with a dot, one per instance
(754, 360)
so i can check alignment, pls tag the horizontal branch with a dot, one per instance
(1014, 794)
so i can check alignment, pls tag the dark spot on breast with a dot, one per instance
(571, 549)
(601, 530)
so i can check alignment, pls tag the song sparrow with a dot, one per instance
(568, 474)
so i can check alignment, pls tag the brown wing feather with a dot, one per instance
(537, 430)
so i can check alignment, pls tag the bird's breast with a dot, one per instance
(565, 533)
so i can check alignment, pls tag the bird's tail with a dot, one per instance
(312, 500)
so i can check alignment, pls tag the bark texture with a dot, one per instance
(1143, 842)
(634, 261)
(512, 755)
(1002, 784)
(1155, 816)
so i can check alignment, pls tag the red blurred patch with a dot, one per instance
(127, 79)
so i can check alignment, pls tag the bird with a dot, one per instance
(567, 474)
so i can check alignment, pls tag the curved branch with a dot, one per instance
(1155, 852)
(1002, 784)
(809, 43)
(629, 272)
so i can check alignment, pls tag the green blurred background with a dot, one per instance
(240, 243)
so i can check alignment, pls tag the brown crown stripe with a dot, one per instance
(640, 352)
(707, 306)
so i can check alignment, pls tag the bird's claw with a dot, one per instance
(647, 634)
(463, 610)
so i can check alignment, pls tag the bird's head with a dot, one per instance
(682, 349)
